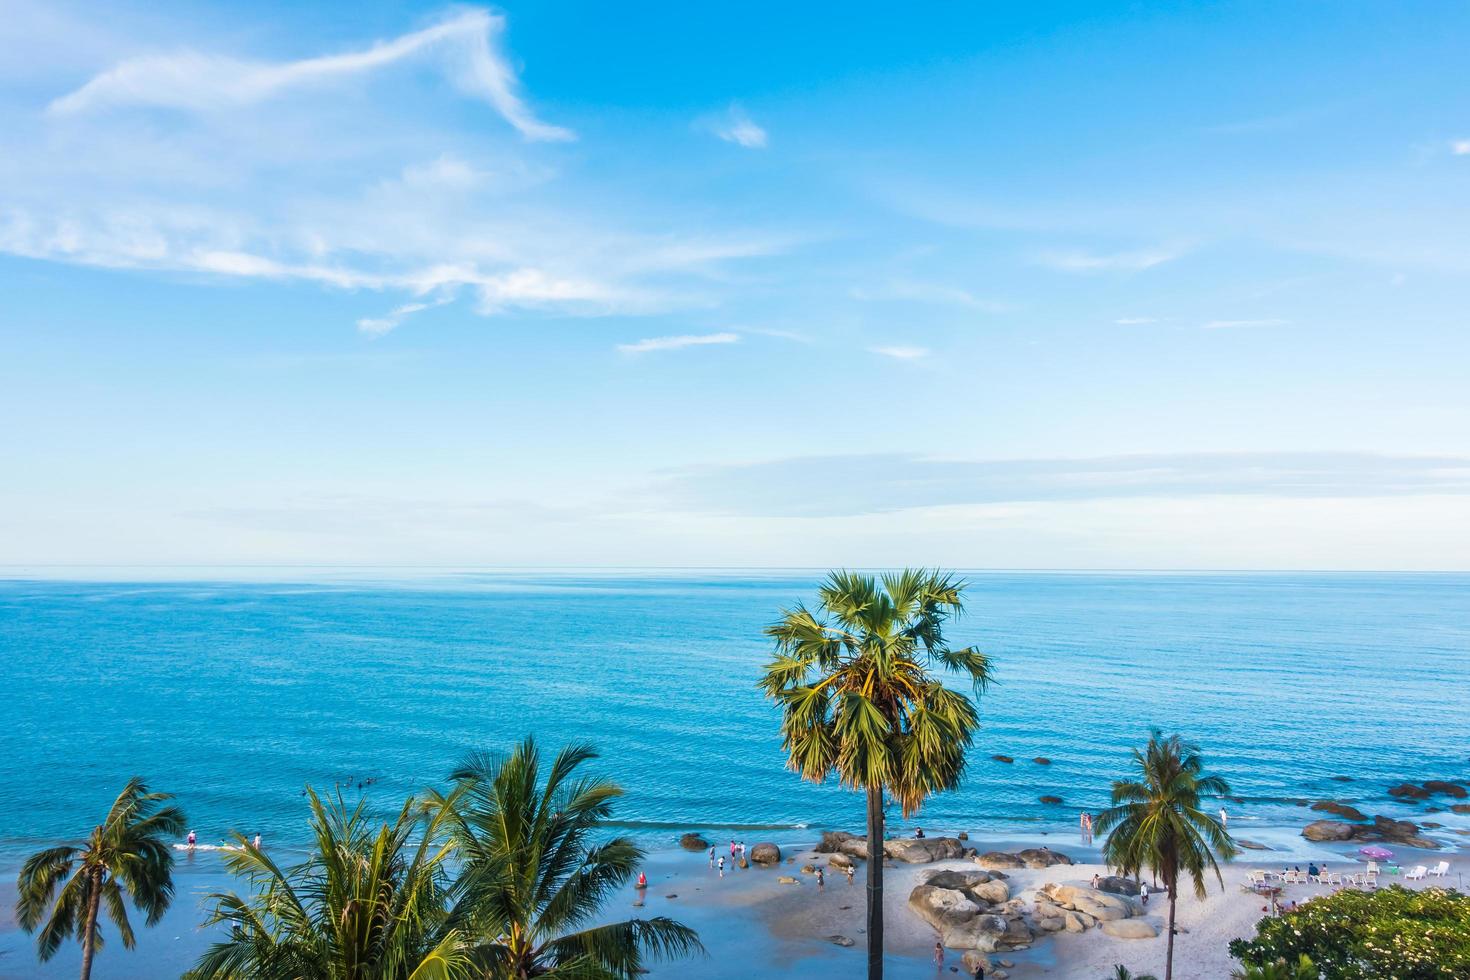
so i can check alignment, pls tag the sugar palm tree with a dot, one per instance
(534, 876)
(62, 890)
(859, 699)
(368, 904)
(1156, 822)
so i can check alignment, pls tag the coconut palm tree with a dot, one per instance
(368, 904)
(1156, 822)
(1121, 972)
(858, 698)
(1302, 969)
(534, 878)
(63, 889)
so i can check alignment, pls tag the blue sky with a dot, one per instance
(1061, 285)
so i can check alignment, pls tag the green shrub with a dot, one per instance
(1353, 935)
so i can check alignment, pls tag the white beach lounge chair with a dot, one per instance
(1417, 874)
(1255, 877)
(1372, 867)
(1441, 869)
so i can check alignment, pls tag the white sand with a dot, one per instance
(799, 919)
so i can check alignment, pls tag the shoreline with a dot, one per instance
(748, 919)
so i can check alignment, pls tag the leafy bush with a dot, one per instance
(1353, 935)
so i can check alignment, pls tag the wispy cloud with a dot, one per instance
(1460, 148)
(1246, 324)
(1128, 321)
(677, 343)
(1083, 261)
(378, 326)
(464, 46)
(736, 126)
(908, 290)
(901, 352)
(880, 483)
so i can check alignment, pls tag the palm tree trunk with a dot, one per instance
(875, 883)
(89, 944)
(1169, 952)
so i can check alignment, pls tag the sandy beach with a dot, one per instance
(749, 917)
(752, 924)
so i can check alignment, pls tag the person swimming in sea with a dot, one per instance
(192, 840)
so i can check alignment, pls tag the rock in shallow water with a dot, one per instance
(765, 853)
(1325, 830)
(693, 842)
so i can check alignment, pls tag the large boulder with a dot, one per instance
(963, 880)
(1408, 791)
(1100, 905)
(912, 850)
(942, 908)
(840, 860)
(1404, 832)
(982, 888)
(1344, 810)
(1042, 857)
(988, 933)
(693, 842)
(1448, 789)
(993, 891)
(999, 859)
(1328, 830)
(1129, 929)
(765, 853)
(1116, 885)
(841, 842)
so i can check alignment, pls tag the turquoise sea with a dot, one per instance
(235, 695)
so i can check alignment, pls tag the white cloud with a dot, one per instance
(736, 126)
(1128, 321)
(1460, 148)
(901, 352)
(1234, 324)
(679, 342)
(1081, 261)
(198, 82)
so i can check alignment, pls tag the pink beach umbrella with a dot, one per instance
(1375, 852)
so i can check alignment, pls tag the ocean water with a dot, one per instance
(237, 695)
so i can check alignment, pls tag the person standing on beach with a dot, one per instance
(257, 842)
(722, 865)
(192, 839)
(1143, 892)
(851, 873)
(732, 849)
(939, 955)
(1224, 819)
(711, 857)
